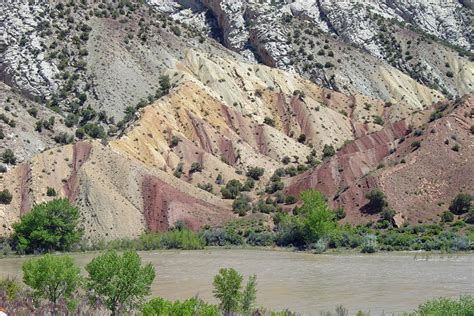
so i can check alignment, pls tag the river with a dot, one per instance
(307, 283)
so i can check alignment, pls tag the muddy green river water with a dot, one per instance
(308, 283)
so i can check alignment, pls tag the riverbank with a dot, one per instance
(389, 282)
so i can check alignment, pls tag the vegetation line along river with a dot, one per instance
(308, 283)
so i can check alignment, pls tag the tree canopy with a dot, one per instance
(50, 226)
(119, 280)
(51, 277)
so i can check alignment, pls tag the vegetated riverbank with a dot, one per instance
(303, 282)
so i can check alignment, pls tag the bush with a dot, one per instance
(260, 239)
(36, 233)
(193, 306)
(181, 239)
(50, 191)
(241, 205)
(11, 288)
(447, 217)
(376, 200)
(5, 197)
(461, 203)
(328, 151)
(119, 280)
(446, 306)
(369, 244)
(232, 189)
(52, 277)
(269, 121)
(195, 167)
(255, 173)
(8, 157)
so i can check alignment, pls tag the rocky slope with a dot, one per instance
(186, 96)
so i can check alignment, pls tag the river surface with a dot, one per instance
(308, 283)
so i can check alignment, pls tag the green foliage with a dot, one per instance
(447, 217)
(445, 306)
(249, 295)
(255, 173)
(328, 151)
(461, 203)
(317, 219)
(50, 191)
(232, 189)
(48, 226)
(181, 239)
(94, 130)
(165, 85)
(195, 167)
(369, 244)
(5, 197)
(51, 277)
(227, 289)
(11, 287)
(119, 280)
(376, 201)
(269, 121)
(8, 156)
(241, 205)
(189, 307)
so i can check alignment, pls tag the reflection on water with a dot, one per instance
(308, 283)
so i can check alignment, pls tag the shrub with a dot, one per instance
(193, 306)
(52, 277)
(328, 151)
(119, 280)
(269, 121)
(195, 167)
(290, 199)
(181, 239)
(232, 189)
(376, 200)
(50, 191)
(260, 239)
(447, 217)
(93, 130)
(11, 287)
(255, 173)
(340, 213)
(415, 145)
(241, 205)
(8, 156)
(369, 244)
(35, 232)
(461, 203)
(446, 306)
(378, 120)
(5, 197)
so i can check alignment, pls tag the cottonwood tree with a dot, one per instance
(119, 281)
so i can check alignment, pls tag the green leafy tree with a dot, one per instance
(227, 289)
(52, 277)
(317, 219)
(249, 295)
(51, 226)
(119, 280)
